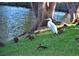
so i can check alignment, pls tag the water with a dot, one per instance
(14, 21)
(16, 17)
(11, 21)
(59, 15)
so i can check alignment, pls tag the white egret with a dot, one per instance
(52, 26)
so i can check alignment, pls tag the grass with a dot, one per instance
(63, 44)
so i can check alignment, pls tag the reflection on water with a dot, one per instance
(15, 17)
(13, 20)
(59, 15)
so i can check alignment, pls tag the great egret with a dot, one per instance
(52, 26)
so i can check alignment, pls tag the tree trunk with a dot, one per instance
(42, 11)
(38, 11)
(77, 12)
(50, 9)
(72, 7)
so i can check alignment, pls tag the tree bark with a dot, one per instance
(42, 10)
(77, 11)
(72, 7)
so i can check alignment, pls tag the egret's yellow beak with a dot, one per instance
(49, 19)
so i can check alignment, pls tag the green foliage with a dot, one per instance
(63, 44)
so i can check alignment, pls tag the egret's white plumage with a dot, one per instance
(52, 26)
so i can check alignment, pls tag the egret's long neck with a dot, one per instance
(50, 20)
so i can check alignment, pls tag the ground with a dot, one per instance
(63, 44)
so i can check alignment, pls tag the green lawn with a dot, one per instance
(63, 44)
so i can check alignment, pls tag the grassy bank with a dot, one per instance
(63, 44)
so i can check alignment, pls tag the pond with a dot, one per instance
(12, 21)
(59, 15)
